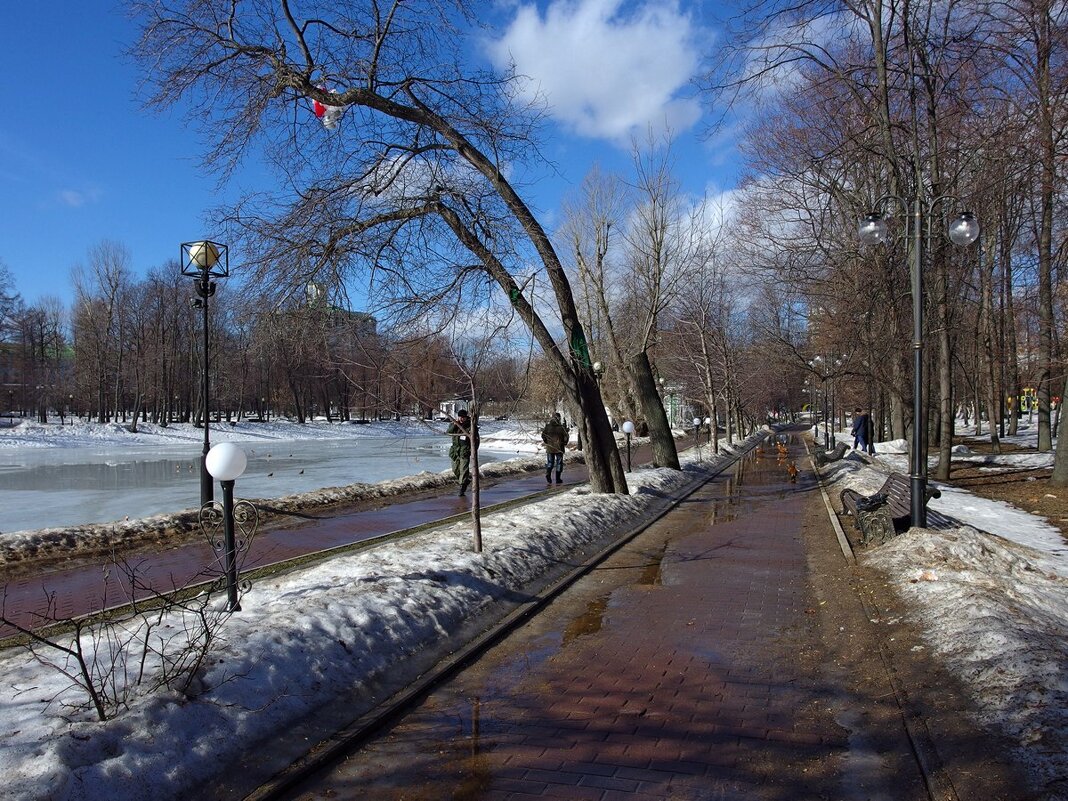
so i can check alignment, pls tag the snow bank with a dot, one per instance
(337, 635)
(996, 616)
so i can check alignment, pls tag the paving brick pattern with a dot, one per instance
(667, 673)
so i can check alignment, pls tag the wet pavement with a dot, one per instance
(61, 594)
(67, 593)
(687, 666)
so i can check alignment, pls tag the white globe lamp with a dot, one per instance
(226, 461)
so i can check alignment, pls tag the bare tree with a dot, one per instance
(1030, 36)
(655, 251)
(414, 179)
(10, 302)
(587, 230)
(98, 298)
(699, 330)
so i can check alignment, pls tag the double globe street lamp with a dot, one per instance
(963, 229)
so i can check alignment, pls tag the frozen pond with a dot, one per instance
(47, 487)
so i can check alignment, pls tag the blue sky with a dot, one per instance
(81, 161)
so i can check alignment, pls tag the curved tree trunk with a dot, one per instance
(574, 369)
(599, 442)
(664, 451)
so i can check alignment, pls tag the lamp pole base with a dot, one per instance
(919, 501)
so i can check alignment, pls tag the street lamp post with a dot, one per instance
(697, 436)
(628, 429)
(204, 261)
(227, 462)
(817, 365)
(834, 401)
(962, 231)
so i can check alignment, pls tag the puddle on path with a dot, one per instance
(651, 574)
(589, 622)
(460, 735)
(475, 774)
(722, 512)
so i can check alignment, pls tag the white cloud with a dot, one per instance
(77, 198)
(605, 72)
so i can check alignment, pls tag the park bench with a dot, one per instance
(822, 457)
(881, 516)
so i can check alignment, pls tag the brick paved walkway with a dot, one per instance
(688, 666)
(43, 597)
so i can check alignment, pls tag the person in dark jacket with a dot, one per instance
(462, 432)
(861, 426)
(555, 436)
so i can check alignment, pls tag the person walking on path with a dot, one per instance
(861, 424)
(462, 432)
(555, 436)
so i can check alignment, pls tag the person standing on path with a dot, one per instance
(462, 432)
(555, 436)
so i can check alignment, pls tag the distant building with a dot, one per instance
(354, 325)
(450, 408)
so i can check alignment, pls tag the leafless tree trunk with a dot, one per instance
(422, 144)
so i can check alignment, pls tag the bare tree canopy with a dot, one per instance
(406, 185)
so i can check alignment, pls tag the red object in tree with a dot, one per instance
(328, 114)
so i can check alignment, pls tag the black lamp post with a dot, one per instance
(227, 462)
(962, 231)
(834, 400)
(817, 365)
(204, 261)
(665, 400)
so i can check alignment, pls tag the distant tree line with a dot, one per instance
(131, 350)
